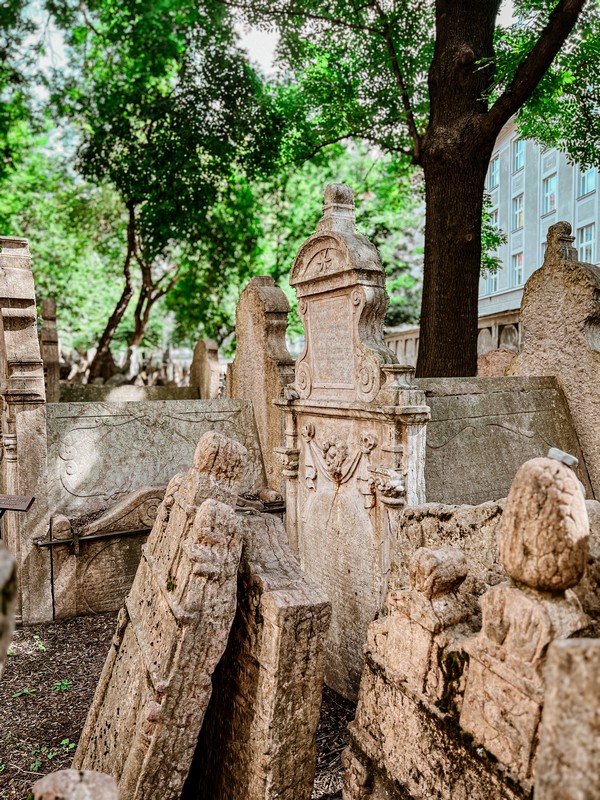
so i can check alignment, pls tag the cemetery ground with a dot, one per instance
(47, 687)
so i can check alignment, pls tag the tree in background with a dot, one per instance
(435, 81)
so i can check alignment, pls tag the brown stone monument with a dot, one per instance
(263, 367)
(49, 350)
(355, 432)
(205, 372)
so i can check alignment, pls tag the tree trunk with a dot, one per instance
(100, 365)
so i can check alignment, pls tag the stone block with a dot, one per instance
(258, 737)
(150, 702)
(205, 372)
(72, 784)
(8, 590)
(569, 751)
(263, 367)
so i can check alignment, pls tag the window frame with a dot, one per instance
(518, 155)
(517, 269)
(546, 195)
(518, 212)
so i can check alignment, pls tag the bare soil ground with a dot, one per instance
(48, 685)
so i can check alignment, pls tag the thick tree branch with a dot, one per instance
(273, 12)
(530, 71)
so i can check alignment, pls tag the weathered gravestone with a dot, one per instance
(262, 367)
(149, 705)
(73, 784)
(8, 586)
(23, 465)
(355, 432)
(49, 350)
(205, 372)
(560, 318)
(258, 737)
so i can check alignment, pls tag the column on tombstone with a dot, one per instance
(355, 432)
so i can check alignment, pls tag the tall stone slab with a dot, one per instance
(569, 752)
(258, 737)
(355, 433)
(7, 598)
(150, 701)
(23, 469)
(263, 367)
(205, 372)
(560, 318)
(49, 350)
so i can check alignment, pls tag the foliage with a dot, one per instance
(492, 237)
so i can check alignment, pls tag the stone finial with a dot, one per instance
(437, 572)
(74, 784)
(338, 209)
(543, 534)
(559, 243)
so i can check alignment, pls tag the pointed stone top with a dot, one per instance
(559, 243)
(338, 209)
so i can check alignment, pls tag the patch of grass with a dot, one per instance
(24, 693)
(62, 686)
(38, 643)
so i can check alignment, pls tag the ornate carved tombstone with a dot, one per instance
(355, 432)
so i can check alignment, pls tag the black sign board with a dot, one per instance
(13, 502)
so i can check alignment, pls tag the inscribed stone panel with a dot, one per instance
(332, 347)
(99, 452)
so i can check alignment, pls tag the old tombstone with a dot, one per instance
(23, 469)
(560, 321)
(149, 705)
(355, 432)
(569, 751)
(49, 350)
(542, 542)
(205, 372)
(258, 737)
(263, 367)
(73, 784)
(8, 586)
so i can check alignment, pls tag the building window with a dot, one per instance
(493, 283)
(587, 182)
(494, 219)
(549, 194)
(586, 242)
(517, 212)
(494, 173)
(518, 155)
(517, 269)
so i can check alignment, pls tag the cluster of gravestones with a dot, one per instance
(478, 677)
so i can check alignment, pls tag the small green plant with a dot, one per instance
(10, 652)
(67, 745)
(39, 644)
(62, 686)
(24, 693)
(171, 583)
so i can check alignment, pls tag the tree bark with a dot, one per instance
(100, 366)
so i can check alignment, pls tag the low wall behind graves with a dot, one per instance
(482, 430)
(78, 393)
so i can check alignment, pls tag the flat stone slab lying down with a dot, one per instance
(144, 721)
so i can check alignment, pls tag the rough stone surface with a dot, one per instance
(483, 429)
(144, 722)
(73, 393)
(72, 784)
(569, 752)
(8, 586)
(560, 318)
(23, 468)
(49, 350)
(99, 452)
(263, 367)
(542, 543)
(544, 531)
(494, 363)
(205, 372)
(355, 433)
(258, 737)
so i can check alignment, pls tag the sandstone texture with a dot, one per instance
(494, 363)
(569, 753)
(205, 372)
(354, 449)
(560, 318)
(8, 587)
(483, 429)
(258, 737)
(144, 722)
(72, 784)
(263, 367)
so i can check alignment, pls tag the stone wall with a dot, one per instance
(560, 318)
(263, 367)
(482, 430)
(451, 701)
(355, 433)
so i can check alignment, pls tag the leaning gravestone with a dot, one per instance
(149, 705)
